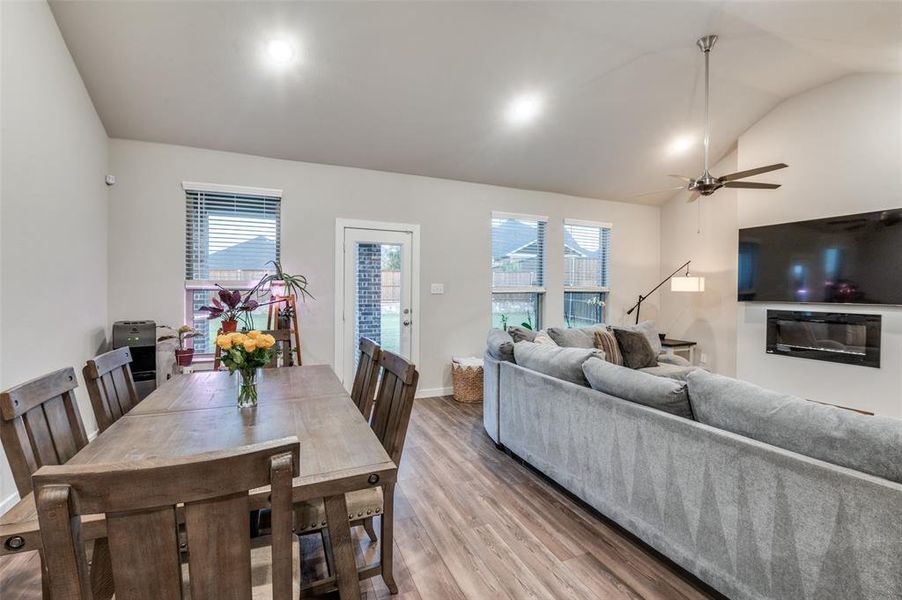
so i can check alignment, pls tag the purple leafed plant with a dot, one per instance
(230, 305)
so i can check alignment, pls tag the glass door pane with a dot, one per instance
(378, 302)
(377, 294)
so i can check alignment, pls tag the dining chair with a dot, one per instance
(108, 378)
(140, 501)
(40, 425)
(391, 416)
(363, 392)
(283, 345)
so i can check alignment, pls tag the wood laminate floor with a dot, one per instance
(471, 522)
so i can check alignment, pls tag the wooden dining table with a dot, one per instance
(195, 413)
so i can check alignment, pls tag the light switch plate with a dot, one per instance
(437, 288)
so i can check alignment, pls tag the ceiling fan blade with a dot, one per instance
(693, 197)
(683, 177)
(751, 185)
(682, 187)
(750, 172)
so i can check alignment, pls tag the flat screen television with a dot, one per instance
(847, 259)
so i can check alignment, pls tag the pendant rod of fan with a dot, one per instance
(707, 51)
(707, 184)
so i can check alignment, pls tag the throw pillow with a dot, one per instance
(871, 444)
(635, 386)
(521, 334)
(542, 337)
(499, 345)
(648, 329)
(637, 351)
(607, 343)
(554, 361)
(578, 337)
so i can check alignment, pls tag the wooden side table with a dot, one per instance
(674, 346)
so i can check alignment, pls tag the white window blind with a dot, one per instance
(230, 236)
(518, 253)
(587, 255)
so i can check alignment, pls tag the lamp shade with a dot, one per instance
(687, 284)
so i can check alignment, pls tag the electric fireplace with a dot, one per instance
(835, 337)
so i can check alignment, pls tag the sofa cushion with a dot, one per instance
(870, 444)
(500, 345)
(521, 334)
(670, 371)
(542, 337)
(578, 337)
(635, 348)
(606, 341)
(557, 362)
(673, 359)
(657, 392)
(648, 329)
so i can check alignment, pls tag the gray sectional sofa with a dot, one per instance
(757, 494)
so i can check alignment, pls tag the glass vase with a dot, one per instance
(247, 389)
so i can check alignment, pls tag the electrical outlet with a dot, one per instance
(437, 288)
(703, 358)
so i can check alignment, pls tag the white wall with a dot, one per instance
(843, 144)
(147, 241)
(54, 210)
(704, 232)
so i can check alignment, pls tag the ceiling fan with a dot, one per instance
(707, 184)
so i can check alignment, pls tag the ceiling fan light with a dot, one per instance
(687, 283)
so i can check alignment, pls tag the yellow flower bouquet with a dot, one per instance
(245, 353)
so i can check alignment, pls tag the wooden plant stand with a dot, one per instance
(272, 320)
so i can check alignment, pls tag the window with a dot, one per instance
(230, 236)
(518, 269)
(587, 251)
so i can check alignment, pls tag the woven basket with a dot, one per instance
(467, 383)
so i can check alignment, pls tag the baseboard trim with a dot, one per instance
(8, 502)
(434, 392)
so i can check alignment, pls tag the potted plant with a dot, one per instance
(245, 353)
(231, 306)
(281, 283)
(183, 354)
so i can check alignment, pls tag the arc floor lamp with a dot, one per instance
(683, 283)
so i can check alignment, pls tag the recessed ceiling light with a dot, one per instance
(279, 52)
(681, 144)
(524, 108)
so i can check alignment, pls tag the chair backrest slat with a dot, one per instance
(108, 378)
(218, 537)
(363, 392)
(40, 425)
(394, 402)
(144, 548)
(140, 499)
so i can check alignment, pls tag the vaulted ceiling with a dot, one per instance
(421, 87)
